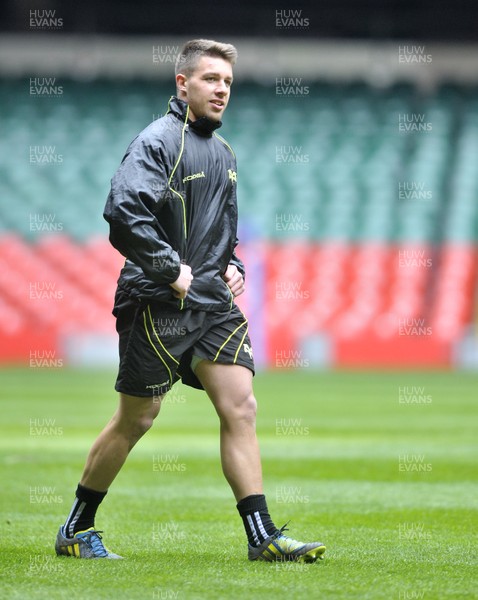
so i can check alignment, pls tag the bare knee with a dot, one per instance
(135, 419)
(249, 407)
(137, 427)
(240, 410)
(141, 426)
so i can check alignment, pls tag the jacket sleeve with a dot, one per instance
(234, 259)
(138, 189)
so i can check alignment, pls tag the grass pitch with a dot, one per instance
(381, 467)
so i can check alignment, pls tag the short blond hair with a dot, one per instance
(193, 50)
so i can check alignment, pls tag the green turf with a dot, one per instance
(331, 446)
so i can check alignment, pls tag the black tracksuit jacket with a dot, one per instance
(173, 200)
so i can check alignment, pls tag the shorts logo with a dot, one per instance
(194, 176)
(248, 350)
(232, 175)
(156, 385)
(158, 388)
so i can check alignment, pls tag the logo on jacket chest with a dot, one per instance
(193, 176)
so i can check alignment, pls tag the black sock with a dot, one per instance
(83, 511)
(257, 521)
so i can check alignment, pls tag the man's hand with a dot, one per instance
(183, 282)
(235, 281)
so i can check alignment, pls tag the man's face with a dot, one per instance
(207, 89)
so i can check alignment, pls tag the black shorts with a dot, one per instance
(157, 343)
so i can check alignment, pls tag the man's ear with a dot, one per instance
(181, 82)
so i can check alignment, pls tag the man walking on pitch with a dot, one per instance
(173, 214)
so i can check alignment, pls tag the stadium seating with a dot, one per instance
(349, 225)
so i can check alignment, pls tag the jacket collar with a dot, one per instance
(203, 126)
